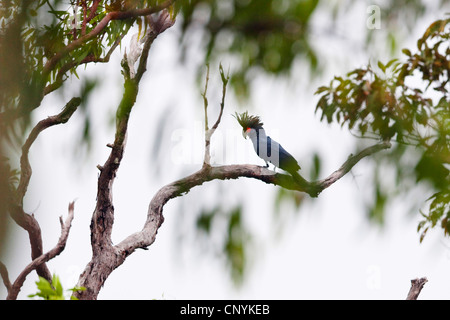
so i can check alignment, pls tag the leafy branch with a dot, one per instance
(15, 287)
(387, 104)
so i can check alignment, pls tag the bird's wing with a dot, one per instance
(287, 161)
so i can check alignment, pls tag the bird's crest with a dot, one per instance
(247, 121)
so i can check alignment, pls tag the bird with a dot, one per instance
(266, 148)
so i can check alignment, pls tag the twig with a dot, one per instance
(210, 132)
(93, 10)
(83, 25)
(207, 156)
(205, 99)
(225, 80)
(350, 163)
(416, 286)
(65, 229)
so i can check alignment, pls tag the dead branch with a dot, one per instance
(114, 256)
(147, 235)
(180, 187)
(27, 221)
(25, 167)
(416, 286)
(350, 163)
(210, 132)
(14, 289)
(105, 256)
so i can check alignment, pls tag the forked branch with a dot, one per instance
(147, 235)
(27, 221)
(210, 132)
(14, 289)
(105, 256)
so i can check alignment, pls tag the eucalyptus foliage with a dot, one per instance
(388, 102)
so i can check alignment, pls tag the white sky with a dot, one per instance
(328, 250)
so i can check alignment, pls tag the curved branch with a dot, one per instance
(25, 167)
(105, 258)
(27, 221)
(147, 235)
(350, 163)
(108, 257)
(103, 217)
(65, 229)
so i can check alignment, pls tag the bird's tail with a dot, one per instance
(311, 188)
(298, 178)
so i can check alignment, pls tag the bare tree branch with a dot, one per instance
(147, 235)
(105, 256)
(225, 80)
(65, 229)
(350, 163)
(110, 257)
(210, 132)
(416, 286)
(27, 221)
(25, 167)
(207, 157)
(103, 217)
(180, 187)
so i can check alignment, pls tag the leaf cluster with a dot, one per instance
(52, 290)
(388, 104)
(43, 43)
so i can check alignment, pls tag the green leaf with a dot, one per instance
(391, 63)
(322, 89)
(45, 288)
(57, 285)
(382, 66)
(57, 12)
(51, 291)
(407, 52)
(315, 171)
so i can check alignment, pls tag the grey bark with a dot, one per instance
(416, 287)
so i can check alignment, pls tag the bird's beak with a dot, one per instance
(244, 134)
